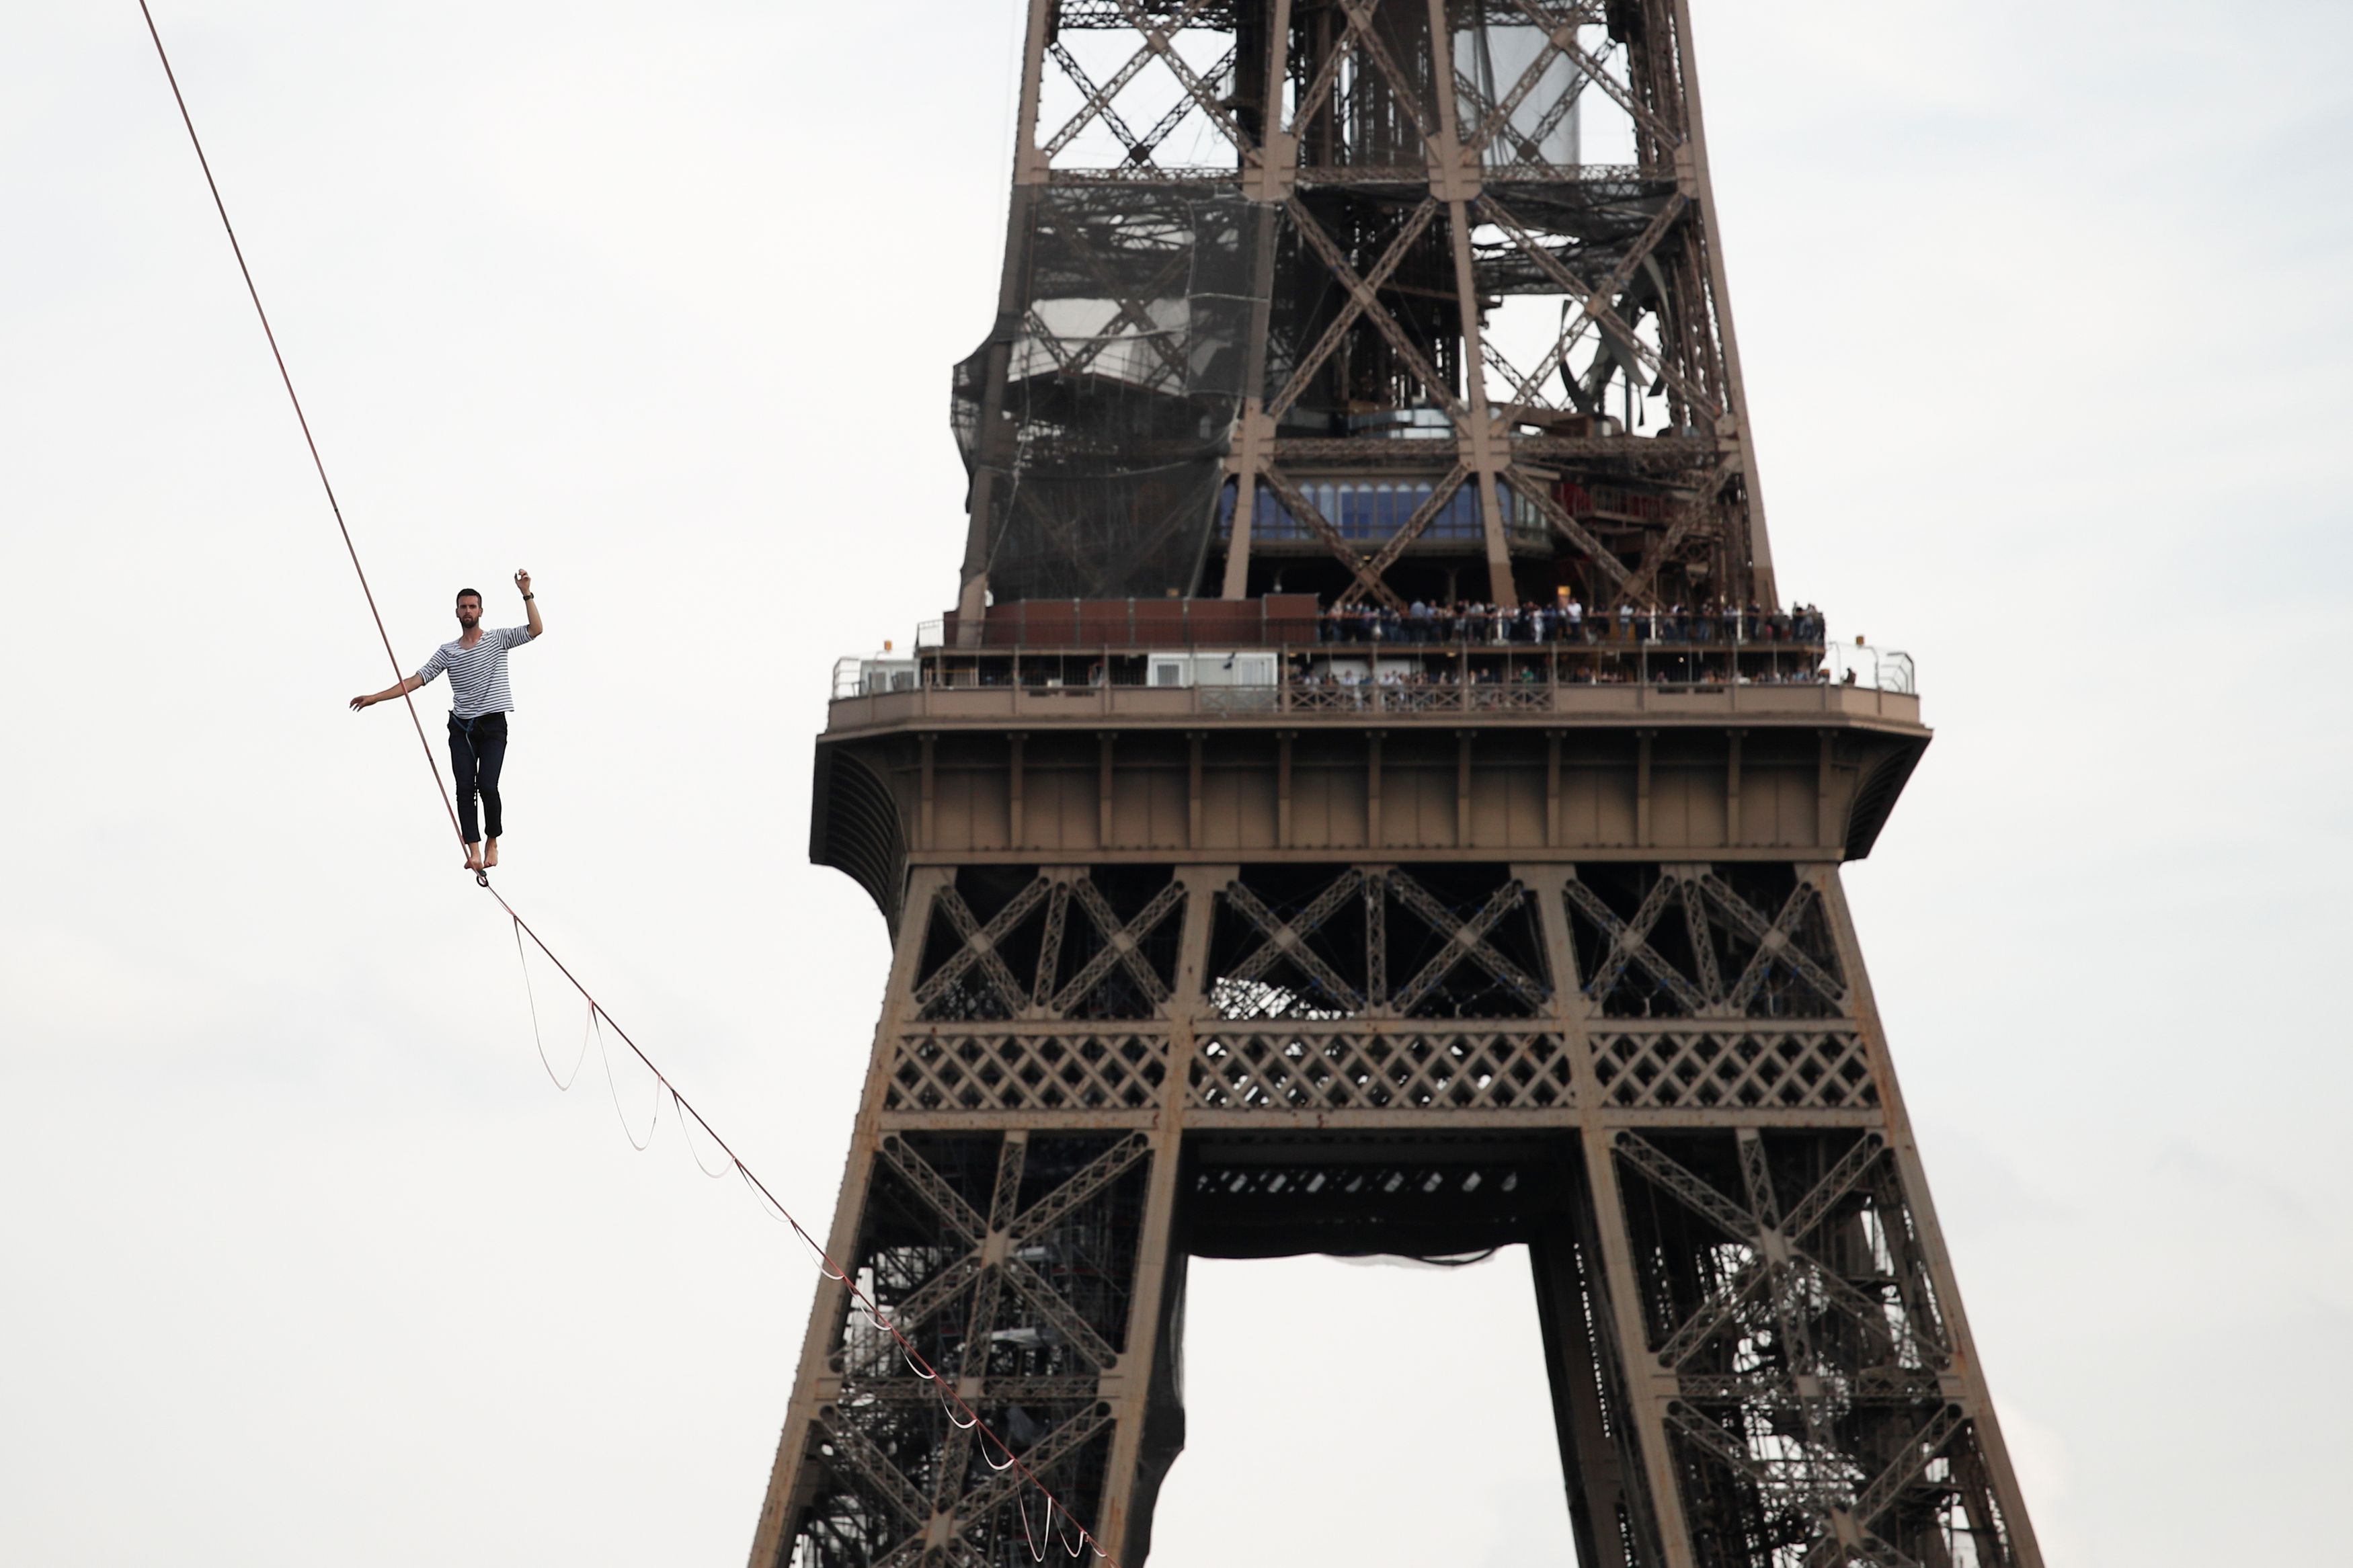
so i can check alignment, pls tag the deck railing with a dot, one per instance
(1401, 679)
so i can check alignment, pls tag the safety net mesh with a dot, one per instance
(1103, 402)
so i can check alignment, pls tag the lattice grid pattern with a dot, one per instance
(1007, 1260)
(1354, 1070)
(1690, 1069)
(1002, 1070)
(1786, 1291)
(1684, 942)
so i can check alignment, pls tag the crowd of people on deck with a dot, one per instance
(1405, 674)
(1567, 621)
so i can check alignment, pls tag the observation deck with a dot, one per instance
(1172, 731)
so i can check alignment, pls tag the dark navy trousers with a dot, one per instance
(478, 749)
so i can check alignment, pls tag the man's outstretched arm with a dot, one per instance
(530, 605)
(407, 684)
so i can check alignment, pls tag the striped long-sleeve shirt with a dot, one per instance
(478, 675)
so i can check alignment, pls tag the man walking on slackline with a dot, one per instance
(478, 705)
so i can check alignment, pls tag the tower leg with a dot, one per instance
(1667, 1078)
(1030, 1254)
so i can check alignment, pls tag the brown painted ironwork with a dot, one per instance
(1559, 960)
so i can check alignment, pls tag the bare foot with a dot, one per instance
(473, 858)
(490, 852)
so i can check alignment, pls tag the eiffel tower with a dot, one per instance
(1367, 800)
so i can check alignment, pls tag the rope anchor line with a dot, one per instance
(598, 1017)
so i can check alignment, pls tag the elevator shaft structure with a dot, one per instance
(1214, 936)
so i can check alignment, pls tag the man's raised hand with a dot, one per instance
(522, 583)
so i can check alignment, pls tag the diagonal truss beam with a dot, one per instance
(1723, 1444)
(1641, 588)
(1774, 938)
(1407, 90)
(1628, 943)
(1295, 501)
(1597, 307)
(1202, 93)
(1043, 1455)
(1049, 948)
(1136, 313)
(923, 1303)
(1121, 944)
(1714, 1313)
(857, 1450)
(1363, 295)
(1695, 1193)
(1538, 494)
(1497, 120)
(1082, 1186)
(1328, 250)
(1702, 949)
(1837, 1181)
(1290, 941)
(1408, 531)
(1879, 1494)
(1524, 389)
(980, 944)
(1315, 97)
(1049, 1304)
(934, 1189)
(1465, 940)
(1562, 30)
(1099, 104)
(1099, 98)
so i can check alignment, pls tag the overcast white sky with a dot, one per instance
(2043, 308)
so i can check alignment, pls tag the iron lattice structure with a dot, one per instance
(1286, 279)
(1184, 972)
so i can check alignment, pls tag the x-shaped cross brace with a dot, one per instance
(1498, 118)
(1122, 945)
(1775, 940)
(1629, 944)
(1464, 939)
(1561, 29)
(980, 945)
(1598, 307)
(1364, 294)
(1408, 531)
(1357, 32)
(1743, 1224)
(1099, 104)
(1573, 331)
(1296, 502)
(1099, 98)
(1289, 940)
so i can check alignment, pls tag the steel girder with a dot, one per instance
(1417, 164)
(1667, 1079)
